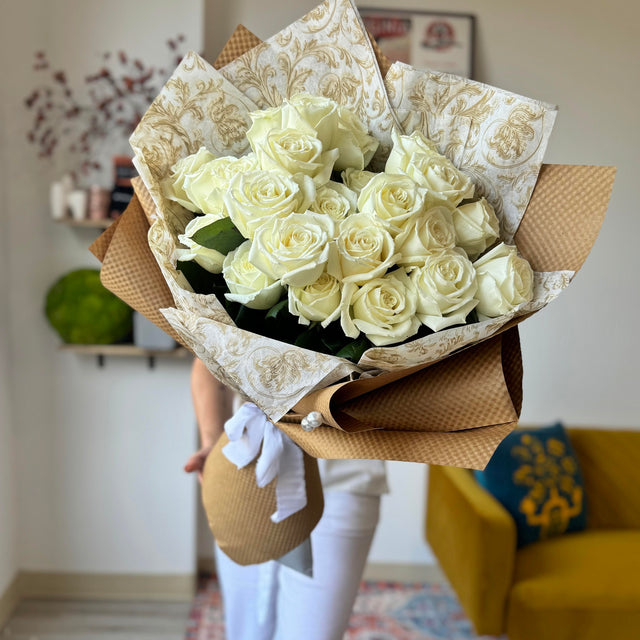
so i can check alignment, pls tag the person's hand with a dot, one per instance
(196, 462)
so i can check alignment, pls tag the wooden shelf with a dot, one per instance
(87, 223)
(125, 350)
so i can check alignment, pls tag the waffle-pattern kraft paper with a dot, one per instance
(239, 512)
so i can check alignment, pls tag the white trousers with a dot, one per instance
(273, 602)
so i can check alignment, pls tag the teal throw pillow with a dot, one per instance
(535, 474)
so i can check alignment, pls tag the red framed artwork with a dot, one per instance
(424, 39)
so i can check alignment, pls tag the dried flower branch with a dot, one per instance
(118, 95)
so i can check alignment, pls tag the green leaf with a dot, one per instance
(309, 339)
(249, 319)
(333, 338)
(355, 349)
(277, 308)
(201, 280)
(221, 236)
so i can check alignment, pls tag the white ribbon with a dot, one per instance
(248, 430)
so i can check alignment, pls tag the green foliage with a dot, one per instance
(221, 236)
(201, 280)
(472, 317)
(277, 323)
(82, 311)
(354, 350)
(278, 309)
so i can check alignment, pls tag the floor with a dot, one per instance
(383, 611)
(89, 620)
(404, 610)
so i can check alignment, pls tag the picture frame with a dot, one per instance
(436, 40)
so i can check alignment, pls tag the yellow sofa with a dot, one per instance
(578, 586)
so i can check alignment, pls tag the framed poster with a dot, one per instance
(424, 39)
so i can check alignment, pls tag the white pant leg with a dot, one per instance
(272, 601)
(248, 598)
(319, 608)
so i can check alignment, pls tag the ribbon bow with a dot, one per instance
(248, 430)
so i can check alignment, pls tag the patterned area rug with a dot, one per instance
(383, 611)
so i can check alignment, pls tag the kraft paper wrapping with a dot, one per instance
(553, 213)
(239, 512)
(433, 414)
(125, 243)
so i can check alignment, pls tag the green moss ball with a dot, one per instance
(82, 311)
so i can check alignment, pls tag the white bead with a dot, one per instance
(311, 421)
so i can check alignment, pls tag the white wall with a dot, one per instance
(8, 548)
(100, 484)
(583, 57)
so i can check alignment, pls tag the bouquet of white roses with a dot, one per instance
(343, 241)
(385, 254)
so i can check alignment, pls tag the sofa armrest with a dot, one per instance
(474, 539)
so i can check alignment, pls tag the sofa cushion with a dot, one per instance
(583, 585)
(535, 474)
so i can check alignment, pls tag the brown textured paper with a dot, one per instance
(454, 412)
(239, 511)
(143, 288)
(564, 216)
(241, 41)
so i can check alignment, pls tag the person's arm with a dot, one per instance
(210, 400)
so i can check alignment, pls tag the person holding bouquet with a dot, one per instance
(270, 601)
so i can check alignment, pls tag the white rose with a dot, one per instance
(335, 126)
(356, 147)
(256, 196)
(429, 231)
(247, 284)
(335, 200)
(440, 176)
(505, 280)
(408, 152)
(384, 309)
(173, 187)
(266, 120)
(206, 186)
(316, 302)
(294, 249)
(295, 152)
(477, 227)
(393, 198)
(308, 114)
(208, 259)
(446, 286)
(363, 250)
(318, 112)
(356, 179)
